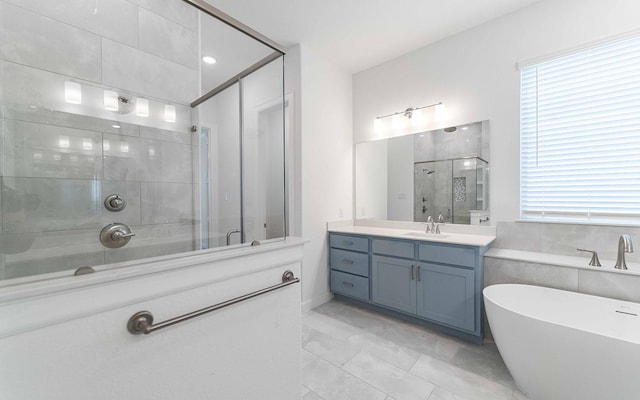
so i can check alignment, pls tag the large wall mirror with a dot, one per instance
(441, 172)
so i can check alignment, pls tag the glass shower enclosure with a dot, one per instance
(133, 129)
(451, 188)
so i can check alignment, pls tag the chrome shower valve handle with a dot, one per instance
(116, 235)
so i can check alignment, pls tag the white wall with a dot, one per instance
(474, 73)
(326, 179)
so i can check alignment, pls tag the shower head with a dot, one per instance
(428, 171)
(125, 105)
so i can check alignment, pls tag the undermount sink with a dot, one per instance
(427, 235)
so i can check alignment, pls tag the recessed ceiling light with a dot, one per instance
(464, 128)
(209, 59)
(116, 126)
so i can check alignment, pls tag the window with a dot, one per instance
(580, 136)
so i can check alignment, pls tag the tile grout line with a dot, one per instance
(508, 388)
(353, 376)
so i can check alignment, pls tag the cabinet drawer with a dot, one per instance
(349, 242)
(393, 248)
(464, 256)
(350, 285)
(351, 262)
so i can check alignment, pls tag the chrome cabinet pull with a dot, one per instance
(142, 321)
(349, 284)
(419, 275)
(349, 262)
(347, 242)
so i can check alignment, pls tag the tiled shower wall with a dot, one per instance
(437, 189)
(59, 161)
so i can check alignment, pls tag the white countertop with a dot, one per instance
(445, 237)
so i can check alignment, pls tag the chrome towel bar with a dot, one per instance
(142, 321)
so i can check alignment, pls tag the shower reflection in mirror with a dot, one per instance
(440, 172)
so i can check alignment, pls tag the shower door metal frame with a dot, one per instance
(234, 23)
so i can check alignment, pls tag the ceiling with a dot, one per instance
(359, 34)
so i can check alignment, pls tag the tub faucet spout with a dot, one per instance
(625, 245)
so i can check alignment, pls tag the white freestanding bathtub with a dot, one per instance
(561, 345)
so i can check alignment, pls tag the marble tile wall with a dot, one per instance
(565, 238)
(58, 161)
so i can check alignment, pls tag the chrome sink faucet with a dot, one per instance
(440, 222)
(625, 245)
(430, 228)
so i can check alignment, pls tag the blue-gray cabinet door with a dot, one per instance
(393, 283)
(446, 295)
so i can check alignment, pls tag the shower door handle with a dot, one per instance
(231, 232)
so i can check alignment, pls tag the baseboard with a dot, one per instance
(313, 303)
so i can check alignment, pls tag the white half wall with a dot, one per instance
(326, 178)
(474, 73)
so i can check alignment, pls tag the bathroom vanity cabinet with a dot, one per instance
(433, 283)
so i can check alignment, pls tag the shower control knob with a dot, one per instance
(114, 202)
(115, 235)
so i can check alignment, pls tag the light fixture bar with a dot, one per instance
(409, 111)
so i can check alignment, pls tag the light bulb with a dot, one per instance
(418, 119)
(398, 122)
(72, 92)
(110, 100)
(142, 107)
(63, 142)
(378, 125)
(441, 112)
(169, 113)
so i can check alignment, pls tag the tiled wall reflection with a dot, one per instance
(58, 163)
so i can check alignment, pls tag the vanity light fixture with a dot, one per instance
(412, 113)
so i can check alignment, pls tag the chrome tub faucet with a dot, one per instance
(625, 245)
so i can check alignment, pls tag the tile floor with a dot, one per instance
(349, 353)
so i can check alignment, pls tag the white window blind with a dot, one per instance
(580, 136)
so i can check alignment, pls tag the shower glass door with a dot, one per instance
(103, 159)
